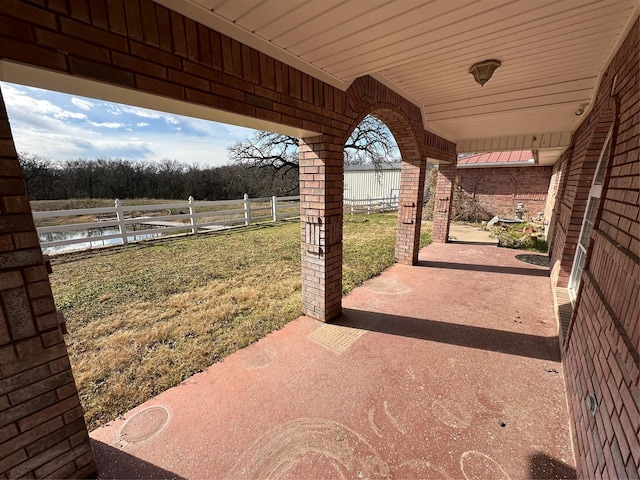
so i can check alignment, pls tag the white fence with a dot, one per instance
(370, 205)
(120, 224)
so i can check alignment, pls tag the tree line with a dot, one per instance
(167, 179)
(263, 165)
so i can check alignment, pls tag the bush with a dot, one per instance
(516, 236)
(465, 207)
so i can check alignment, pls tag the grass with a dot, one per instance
(145, 317)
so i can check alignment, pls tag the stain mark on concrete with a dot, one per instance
(421, 469)
(258, 359)
(372, 422)
(336, 338)
(386, 286)
(144, 424)
(401, 428)
(480, 466)
(313, 447)
(450, 414)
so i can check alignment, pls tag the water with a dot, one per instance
(88, 234)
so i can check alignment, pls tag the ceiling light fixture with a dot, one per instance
(483, 71)
(580, 111)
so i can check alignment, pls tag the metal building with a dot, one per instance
(364, 182)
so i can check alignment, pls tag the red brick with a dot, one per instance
(47, 322)
(134, 21)
(100, 71)
(18, 204)
(30, 13)
(10, 279)
(99, 16)
(34, 462)
(72, 46)
(61, 407)
(159, 87)
(178, 34)
(16, 29)
(50, 467)
(154, 55)
(22, 440)
(12, 460)
(26, 240)
(89, 33)
(117, 21)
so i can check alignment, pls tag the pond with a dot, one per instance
(88, 234)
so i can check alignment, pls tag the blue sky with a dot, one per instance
(64, 127)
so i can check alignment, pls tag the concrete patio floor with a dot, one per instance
(449, 369)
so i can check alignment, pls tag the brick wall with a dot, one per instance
(601, 350)
(42, 430)
(501, 189)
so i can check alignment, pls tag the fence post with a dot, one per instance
(192, 216)
(121, 225)
(351, 209)
(368, 205)
(247, 210)
(274, 208)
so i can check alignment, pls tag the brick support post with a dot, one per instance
(410, 210)
(42, 429)
(321, 211)
(444, 199)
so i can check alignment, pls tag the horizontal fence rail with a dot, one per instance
(370, 205)
(66, 230)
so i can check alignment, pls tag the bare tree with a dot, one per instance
(370, 142)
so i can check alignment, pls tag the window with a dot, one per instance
(589, 219)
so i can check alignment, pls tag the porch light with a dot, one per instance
(482, 71)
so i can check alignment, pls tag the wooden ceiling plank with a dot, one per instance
(468, 59)
(525, 38)
(479, 20)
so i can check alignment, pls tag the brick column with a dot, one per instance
(42, 428)
(321, 210)
(410, 210)
(442, 207)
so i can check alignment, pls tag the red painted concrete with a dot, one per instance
(456, 375)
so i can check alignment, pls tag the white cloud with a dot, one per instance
(145, 113)
(42, 125)
(106, 124)
(82, 104)
(19, 100)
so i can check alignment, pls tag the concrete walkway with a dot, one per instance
(445, 370)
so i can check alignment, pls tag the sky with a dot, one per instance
(66, 127)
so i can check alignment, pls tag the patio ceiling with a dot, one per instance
(552, 55)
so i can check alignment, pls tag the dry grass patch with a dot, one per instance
(145, 317)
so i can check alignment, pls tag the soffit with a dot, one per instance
(552, 52)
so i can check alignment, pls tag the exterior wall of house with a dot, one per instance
(500, 189)
(600, 354)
